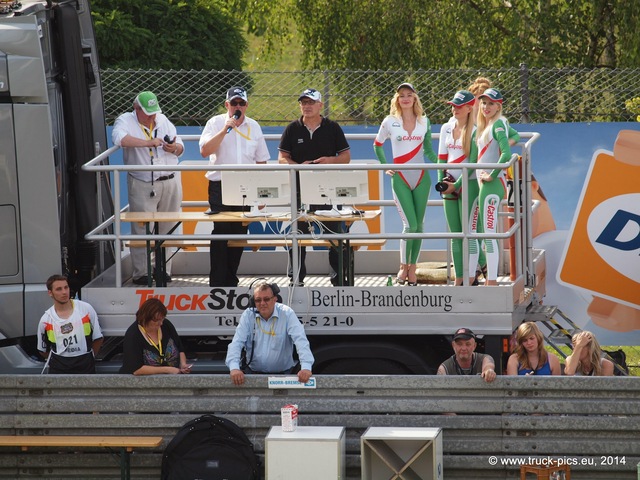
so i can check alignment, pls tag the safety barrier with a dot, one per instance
(592, 423)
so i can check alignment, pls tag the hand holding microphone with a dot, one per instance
(236, 115)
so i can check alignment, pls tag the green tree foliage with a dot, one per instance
(167, 34)
(403, 34)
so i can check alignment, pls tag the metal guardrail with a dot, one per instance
(592, 421)
(521, 222)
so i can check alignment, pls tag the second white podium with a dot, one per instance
(401, 453)
(309, 453)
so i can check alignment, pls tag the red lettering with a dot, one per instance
(182, 302)
(490, 216)
(197, 302)
(144, 295)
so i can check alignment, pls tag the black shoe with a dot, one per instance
(167, 278)
(299, 284)
(143, 280)
(480, 271)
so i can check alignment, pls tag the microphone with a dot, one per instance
(237, 114)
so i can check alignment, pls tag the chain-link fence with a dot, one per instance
(361, 97)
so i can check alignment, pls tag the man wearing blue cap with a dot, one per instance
(229, 138)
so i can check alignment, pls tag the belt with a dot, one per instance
(165, 177)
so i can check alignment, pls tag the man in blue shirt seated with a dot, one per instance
(267, 332)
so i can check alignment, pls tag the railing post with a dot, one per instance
(325, 92)
(524, 93)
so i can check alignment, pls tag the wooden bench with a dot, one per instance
(255, 245)
(356, 244)
(124, 444)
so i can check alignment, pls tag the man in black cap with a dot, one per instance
(229, 138)
(314, 139)
(465, 360)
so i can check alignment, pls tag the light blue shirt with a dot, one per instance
(273, 341)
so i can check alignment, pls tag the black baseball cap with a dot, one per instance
(463, 334)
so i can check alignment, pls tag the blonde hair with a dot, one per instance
(524, 331)
(467, 131)
(396, 111)
(479, 85)
(484, 126)
(595, 353)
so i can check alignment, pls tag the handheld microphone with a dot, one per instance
(236, 115)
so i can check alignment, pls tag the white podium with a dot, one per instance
(309, 453)
(397, 453)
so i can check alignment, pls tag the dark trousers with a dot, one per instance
(224, 260)
(83, 364)
(334, 256)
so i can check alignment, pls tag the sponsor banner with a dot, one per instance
(602, 254)
(290, 382)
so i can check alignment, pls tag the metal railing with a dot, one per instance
(520, 229)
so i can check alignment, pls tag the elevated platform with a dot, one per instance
(370, 307)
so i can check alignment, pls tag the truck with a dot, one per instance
(51, 122)
(60, 210)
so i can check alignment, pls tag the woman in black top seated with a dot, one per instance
(152, 345)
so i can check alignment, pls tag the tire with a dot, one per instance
(364, 366)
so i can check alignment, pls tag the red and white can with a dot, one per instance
(289, 415)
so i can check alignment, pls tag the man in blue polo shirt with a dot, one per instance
(314, 139)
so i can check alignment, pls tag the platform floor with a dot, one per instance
(280, 280)
(371, 280)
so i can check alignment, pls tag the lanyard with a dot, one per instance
(147, 134)
(271, 332)
(272, 328)
(460, 370)
(150, 340)
(247, 136)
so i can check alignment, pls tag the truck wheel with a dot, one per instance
(364, 366)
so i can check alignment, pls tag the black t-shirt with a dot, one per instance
(138, 352)
(328, 140)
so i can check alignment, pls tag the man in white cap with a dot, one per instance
(149, 138)
(465, 361)
(314, 139)
(229, 138)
